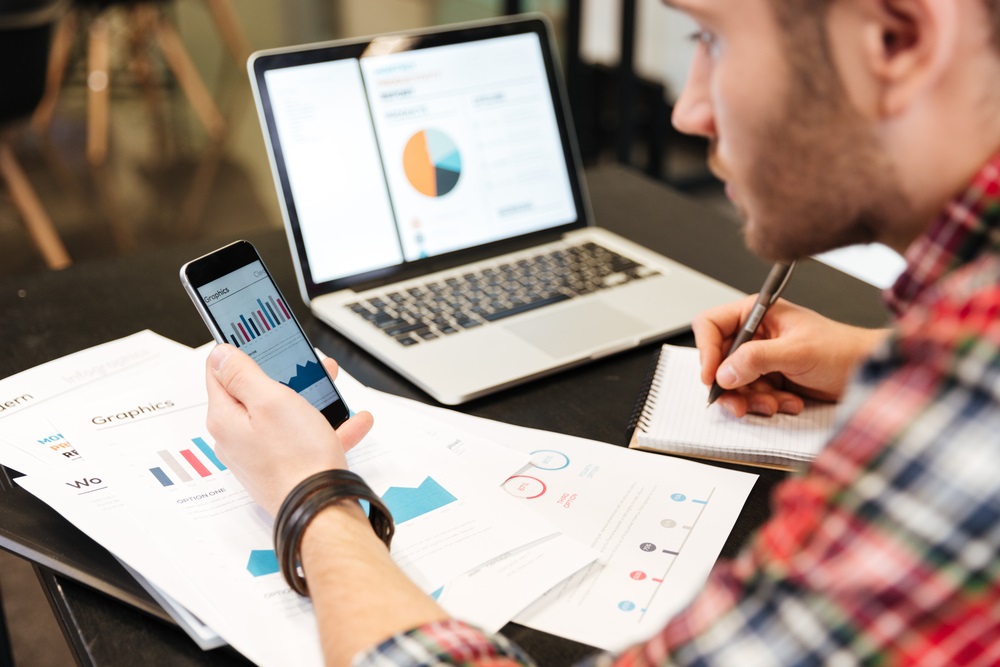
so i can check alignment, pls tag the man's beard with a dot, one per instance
(820, 180)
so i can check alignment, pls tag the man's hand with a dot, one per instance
(796, 353)
(269, 436)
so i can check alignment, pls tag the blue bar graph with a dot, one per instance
(207, 451)
(161, 476)
(247, 325)
(267, 315)
(174, 465)
(274, 315)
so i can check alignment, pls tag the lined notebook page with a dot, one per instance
(676, 419)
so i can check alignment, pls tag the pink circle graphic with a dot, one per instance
(522, 486)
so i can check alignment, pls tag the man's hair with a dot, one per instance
(803, 26)
(791, 15)
(993, 9)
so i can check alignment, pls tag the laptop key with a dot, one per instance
(385, 321)
(643, 272)
(403, 328)
(523, 308)
(615, 279)
(471, 299)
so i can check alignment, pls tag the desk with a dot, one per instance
(52, 314)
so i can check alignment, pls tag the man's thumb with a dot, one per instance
(746, 364)
(235, 371)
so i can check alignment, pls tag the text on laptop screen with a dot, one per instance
(398, 157)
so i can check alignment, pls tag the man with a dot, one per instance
(832, 122)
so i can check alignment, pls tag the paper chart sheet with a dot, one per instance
(658, 522)
(30, 439)
(153, 492)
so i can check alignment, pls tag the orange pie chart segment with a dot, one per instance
(432, 163)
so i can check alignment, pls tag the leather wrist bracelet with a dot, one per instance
(302, 505)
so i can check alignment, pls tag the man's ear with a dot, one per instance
(907, 46)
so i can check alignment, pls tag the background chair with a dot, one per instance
(25, 31)
(147, 26)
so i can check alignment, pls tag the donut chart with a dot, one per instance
(432, 162)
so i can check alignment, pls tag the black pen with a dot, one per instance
(769, 293)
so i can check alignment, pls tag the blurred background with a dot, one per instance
(146, 133)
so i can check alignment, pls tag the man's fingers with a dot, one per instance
(218, 397)
(713, 330)
(355, 429)
(761, 398)
(709, 341)
(750, 362)
(331, 366)
(789, 403)
(224, 412)
(734, 403)
(725, 319)
(238, 374)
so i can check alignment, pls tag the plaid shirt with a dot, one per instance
(886, 551)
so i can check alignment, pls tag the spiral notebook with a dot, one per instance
(674, 417)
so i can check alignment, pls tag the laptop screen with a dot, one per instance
(405, 148)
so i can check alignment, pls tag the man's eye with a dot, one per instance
(703, 37)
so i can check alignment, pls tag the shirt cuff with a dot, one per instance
(443, 643)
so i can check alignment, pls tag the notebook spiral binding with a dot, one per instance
(642, 412)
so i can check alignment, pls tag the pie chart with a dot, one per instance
(432, 162)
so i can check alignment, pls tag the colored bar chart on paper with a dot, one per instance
(407, 503)
(269, 314)
(185, 465)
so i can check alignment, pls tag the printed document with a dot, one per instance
(153, 492)
(30, 440)
(659, 523)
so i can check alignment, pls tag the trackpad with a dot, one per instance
(570, 331)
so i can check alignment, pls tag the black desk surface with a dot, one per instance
(49, 315)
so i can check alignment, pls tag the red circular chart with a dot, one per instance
(523, 486)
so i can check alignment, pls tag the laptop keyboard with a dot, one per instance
(467, 300)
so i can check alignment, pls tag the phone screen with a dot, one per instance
(251, 314)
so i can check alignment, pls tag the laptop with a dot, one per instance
(437, 213)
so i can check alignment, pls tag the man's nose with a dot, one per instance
(693, 112)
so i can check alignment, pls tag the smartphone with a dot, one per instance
(241, 305)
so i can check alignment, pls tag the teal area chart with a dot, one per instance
(305, 376)
(262, 563)
(407, 503)
(432, 162)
